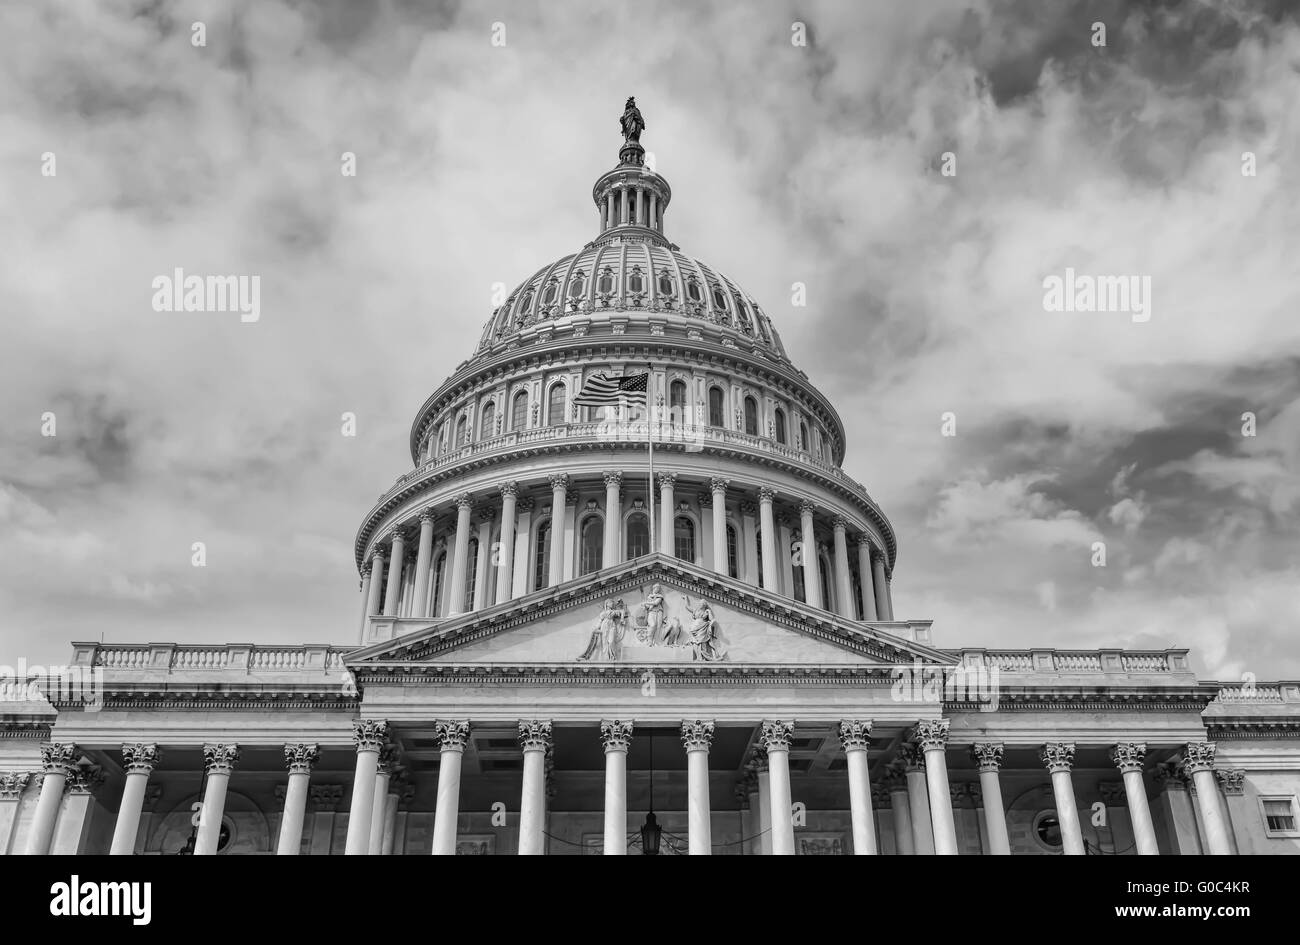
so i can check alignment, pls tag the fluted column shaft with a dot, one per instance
(376, 583)
(854, 737)
(451, 737)
(880, 583)
(988, 756)
(459, 558)
(57, 760)
(718, 488)
(369, 735)
(1129, 758)
(932, 736)
(506, 553)
(139, 760)
(383, 775)
(697, 736)
(616, 736)
(423, 558)
(901, 807)
(812, 584)
(219, 760)
(365, 603)
(667, 512)
(843, 582)
(868, 582)
(1198, 761)
(767, 526)
(1058, 757)
(610, 557)
(299, 759)
(559, 490)
(535, 739)
(397, 557)
(776, 742)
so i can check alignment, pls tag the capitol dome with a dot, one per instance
(517, 488)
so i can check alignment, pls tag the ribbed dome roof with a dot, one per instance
(623, 274)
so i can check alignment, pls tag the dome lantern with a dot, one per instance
(631, 198)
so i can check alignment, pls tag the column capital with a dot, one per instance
(1128, 756)
(12, 784)
(140, 757)
(931, 734)
(559, 481)
(864, 540)
(776, 735)
(487, 515)
(839, 524)
(451, 735)
(1057, 756)
(300, 757)
(463, 501)
(757, 761)
(894, 781)
(1170, 775)
(84, 780)
(510, 489)
(613, 479)
(718, 484)
(535, 735)
(388, 759)
(1232, 782)
(697, 734)
(854, 735)
(220, 757)
(58, 758)
(668, 479)
(369, 734)
(615, 735)
(1198, 756)
(395, 535)
(427, 517)
(525, 505)
(807, 507)
(378, 554)
(912, 757)
(987, 755)
(766, 494)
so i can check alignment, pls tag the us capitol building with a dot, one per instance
(557, 654)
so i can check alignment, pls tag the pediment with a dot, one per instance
(653, 611)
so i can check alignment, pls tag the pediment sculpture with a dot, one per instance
(656, 622)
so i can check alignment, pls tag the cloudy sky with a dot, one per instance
(817, 164)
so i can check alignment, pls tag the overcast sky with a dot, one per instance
(817, 164)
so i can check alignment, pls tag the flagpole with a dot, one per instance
(650, 445)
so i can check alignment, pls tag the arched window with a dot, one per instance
(742, 312)
(605, 284)
(796, 553)
(439, 575)
(542, 556)
(487, 427)
(717, 417)
(473, 574)
(526, 304)
(555, 406)
(519, 411)
(780, 425)
(665, 284)
(684, 538)
(549, 293)
(719, 299)
(593, 545)
(462, 431)
(733, 566)
(677, 402)
(803, 436)
(577, 284)
(693, 290)
(635, 281)
(638, 535)
(751, 416)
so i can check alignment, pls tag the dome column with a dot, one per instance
(395, 574)
(460, 556)
(365, 602)
(884, 606)
(812, 585)
(506, 553)
(843, 582)
(667, 512)
(719, 489)
(420, 604)
(613, 480)
(609, 209)
(868, 583)
(767, 526)
(654, 210)
(559, 489)
(376, 582)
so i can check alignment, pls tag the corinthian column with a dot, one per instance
(139, 760)
(918, 798)
(506, 553)
(1059, 759)
(775, 740)
(884, 605)
(12, 785)
(616, 737)
(219, 760)
(365, 601)
(423, 554)
(718, 487)
(932, 737)
(559, 491)
(370, 735)
(767, 525)
(697, 736)
(57, 762)
(376, 583)
(1129, 758)
(843, 583)
(988, 756)
(854, 737)
(1198, 761)
(460, 556)
(451, 737)
(864, 574)
(610, 557)
(535, 739)
(812, 583)
(394, 594)
(667, 512)
(299, 759)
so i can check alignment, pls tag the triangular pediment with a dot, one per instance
(655, 610)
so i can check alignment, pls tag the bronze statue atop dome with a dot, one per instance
(631, 123)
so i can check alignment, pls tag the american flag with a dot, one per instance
(601, 389)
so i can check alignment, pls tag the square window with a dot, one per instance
(1281, 816)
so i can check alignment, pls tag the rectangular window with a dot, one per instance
(1280, 816)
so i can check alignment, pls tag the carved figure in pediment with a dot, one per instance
(704, 635)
